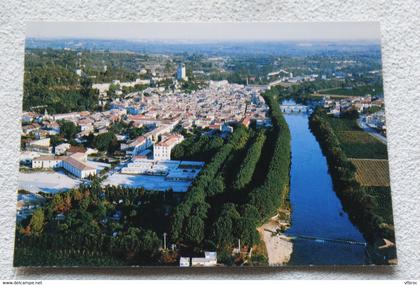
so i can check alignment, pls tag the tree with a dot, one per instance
(194, 230)
(247, 225)
(134, 132)
(36, 223)
(137, 244)
(352, 114)
(106, 142)
(68, 129)
(224, 228)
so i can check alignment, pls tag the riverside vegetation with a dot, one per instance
(363, 205)
(244, 184)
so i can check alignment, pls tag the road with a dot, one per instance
(370, 131)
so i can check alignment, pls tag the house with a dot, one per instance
(47, 162)
(67, 116)
(41, 145)
(85, 124)
(162, 149)
(139, 144)
(209, 259)
(61, 148)
(75, 164)
(184, 262)
(53, 127)
(28, 129)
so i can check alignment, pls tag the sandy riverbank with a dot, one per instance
(279, 247)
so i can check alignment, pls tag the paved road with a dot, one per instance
(371, 131)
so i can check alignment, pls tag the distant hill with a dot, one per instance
(209, 48)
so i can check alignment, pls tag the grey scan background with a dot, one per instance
(400, 35)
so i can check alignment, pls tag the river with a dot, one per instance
(316, 210)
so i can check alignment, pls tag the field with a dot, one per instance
(355, 142)
(372, 172)
(356, 91)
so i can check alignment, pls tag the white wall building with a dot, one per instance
(162, 149)
(47, 162)
(75, 164)
(78, 168)
(61, 148)
(210, 259)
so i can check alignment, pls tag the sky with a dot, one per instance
(302, 31)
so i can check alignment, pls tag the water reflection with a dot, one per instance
(316, 210)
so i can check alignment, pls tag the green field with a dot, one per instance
(355, 142)
(356, 91)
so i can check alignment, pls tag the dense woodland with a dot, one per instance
(96, 225)
(245, 183)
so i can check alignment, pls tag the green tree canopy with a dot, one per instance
(68, 129)
(36, 223)
(106, 142)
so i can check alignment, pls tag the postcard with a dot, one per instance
(203, 145)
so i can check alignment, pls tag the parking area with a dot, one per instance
(148, 182)
(49, 182)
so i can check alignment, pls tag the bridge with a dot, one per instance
(294, 108)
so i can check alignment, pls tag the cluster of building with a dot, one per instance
(220, 103)
(216, 107)
(376, 120)
(359, 103)
(44, 125)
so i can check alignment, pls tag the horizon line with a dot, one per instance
(207, 31)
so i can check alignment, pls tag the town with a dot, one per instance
(143, 160)
(190, 154)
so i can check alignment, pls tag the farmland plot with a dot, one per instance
(372, 172)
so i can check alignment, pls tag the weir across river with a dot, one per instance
(285, 108)
(319, 239)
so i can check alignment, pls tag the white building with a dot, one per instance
(47, 162)
(181, 73)
(184, 262)
(75, 164)
(210, 259)
(162, 149)
(139, 144)
(78, 168)
(61, 148)
(41, 145)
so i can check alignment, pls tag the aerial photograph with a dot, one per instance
(203, 145)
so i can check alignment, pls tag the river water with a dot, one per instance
(316, 210)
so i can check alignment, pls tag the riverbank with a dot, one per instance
(273, 196)
(364, 211)
(279, 247)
